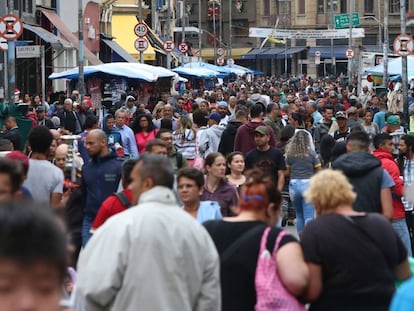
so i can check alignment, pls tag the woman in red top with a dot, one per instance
(144, 130)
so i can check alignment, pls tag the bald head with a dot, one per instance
(60, 156)
(96, 144)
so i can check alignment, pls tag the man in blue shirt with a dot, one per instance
(127, 135)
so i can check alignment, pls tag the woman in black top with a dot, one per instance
(353, 257)
(238, 242)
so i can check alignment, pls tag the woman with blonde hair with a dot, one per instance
(184, 138)
(301, 163)
(158, 111)
(239, 241)
(353, 257)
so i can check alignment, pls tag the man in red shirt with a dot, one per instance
(119, 202)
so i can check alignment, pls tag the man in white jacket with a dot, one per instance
(153, 256)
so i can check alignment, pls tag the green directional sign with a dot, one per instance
(342, 20)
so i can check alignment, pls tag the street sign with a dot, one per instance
(141, 30)
(230, 62)
(318, 54)
(11, 27)
(220, 60)
(3, 44)
(349, 53)
(183, 47)
(342, 20)
(220, 51)
(169, 46)
(404, 45)
(29, 51)
(141, 44)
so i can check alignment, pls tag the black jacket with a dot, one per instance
(364, 172)
(226, 145)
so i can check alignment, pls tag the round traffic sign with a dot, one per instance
(3, 44)
(169, 46)
(183, 47)
(349, 53)
(220, 60)
(220, 51)
(230, 62)
(403, 45)
(141, 30)
(317, 53)
(11, 27)
(141, 44)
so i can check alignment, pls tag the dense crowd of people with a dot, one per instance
(129, 184)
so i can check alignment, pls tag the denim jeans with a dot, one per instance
(400, 226)
(304, 210)
(86, 228)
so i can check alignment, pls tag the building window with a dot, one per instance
(395, 6)
(266, 7)
(321, 8)
(344, 6)
(301, 7)
(368, 6)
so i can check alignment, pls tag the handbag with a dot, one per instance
(198, 159)
(271, 294)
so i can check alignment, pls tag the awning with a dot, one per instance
(47, 36)
(270, 53)
(289, 52)
(236, 53)
(69, 36)
(252, 54)
(123, 33)
(339, 51)
(116, 48)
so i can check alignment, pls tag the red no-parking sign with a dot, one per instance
(11, 27)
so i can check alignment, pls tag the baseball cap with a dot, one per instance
(341, 114)
(393, 120)
(242, 86)
(214, 116)
(263, 130)
(332, 94)
(352, 110)
(129, 97)
(222, 104)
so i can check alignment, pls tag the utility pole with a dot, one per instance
(331, 26)
(230, 20)
(141, 53)
(385, 44)
(81, 80)
(351, 10)
(199, 31)
(168, 30)
(11, 63)
(404, 77)
(3, 56)
(214, 32)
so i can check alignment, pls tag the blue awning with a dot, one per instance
(270, 53)
(253, 53)
(116, 48)
(338, 50)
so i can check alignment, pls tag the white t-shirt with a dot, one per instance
(43, 179)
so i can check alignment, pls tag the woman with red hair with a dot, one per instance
(238, 242)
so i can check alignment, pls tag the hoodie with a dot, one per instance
(244, 141)
(209, 140)
(227, 138)
(112, 135)
(365, 173)
(388, 163)
(100, 178)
